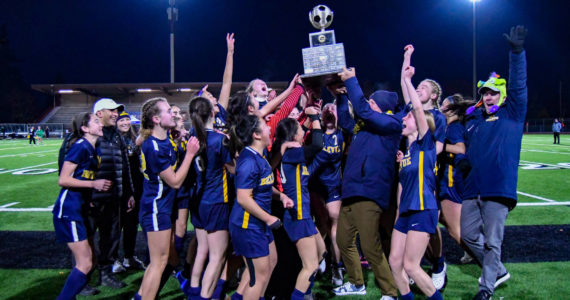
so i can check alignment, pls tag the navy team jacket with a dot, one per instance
(494, 141)
(370, 167)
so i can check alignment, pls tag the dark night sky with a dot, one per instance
(122, 41)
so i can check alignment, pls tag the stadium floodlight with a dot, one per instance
(67, 92)
(184, 90)
(172, 13)
(145, 90)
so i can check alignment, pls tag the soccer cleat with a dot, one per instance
(108, 279)
(466, 258)
(118, 267)
(388, 298)
(349, 289)
(440, 279)
(89, 291)
(337, 277)
(482, 295)
(500, 279)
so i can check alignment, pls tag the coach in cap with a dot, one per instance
(104, 212)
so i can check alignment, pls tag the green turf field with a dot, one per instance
(28, 189)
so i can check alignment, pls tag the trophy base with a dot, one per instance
(320, 80)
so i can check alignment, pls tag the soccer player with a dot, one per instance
(297, 164)
(158, 162)
(76, 179)
(417, 204)
(250, 220)
(494, 134)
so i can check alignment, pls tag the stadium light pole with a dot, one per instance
(172, 12)
(474, 49)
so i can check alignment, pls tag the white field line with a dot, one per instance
(547, 145)
(543, 203)
(535, 197)
(9, 204)
(26, 147)
(26, 154)
(542, 151)
(539, 163)
(32, 209)
(30, 167)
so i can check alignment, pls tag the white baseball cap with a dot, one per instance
(107, 103)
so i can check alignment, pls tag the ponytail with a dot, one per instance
(78, 121)
(149, 109)
(241, 133)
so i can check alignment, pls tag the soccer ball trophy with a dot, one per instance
(324, 58)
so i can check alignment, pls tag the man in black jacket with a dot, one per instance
(104, 212)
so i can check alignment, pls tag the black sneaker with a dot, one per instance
(482, 295)
(89, 291)
(108, 279)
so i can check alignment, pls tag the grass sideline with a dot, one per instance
(543, 173)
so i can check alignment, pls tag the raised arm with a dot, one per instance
(408, 50)
(224, 98)
(517, 89)
(273, 104)
(379, 122)
(418, 109)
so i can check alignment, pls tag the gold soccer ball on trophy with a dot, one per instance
(321, 16)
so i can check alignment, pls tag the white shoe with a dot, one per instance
(500, 279)
(349, 289)
(118, 267)
(337, 277)
(440, 279)
(466, 258)
(323, 266)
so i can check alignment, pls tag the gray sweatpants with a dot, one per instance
(482, 230)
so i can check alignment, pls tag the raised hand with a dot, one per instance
(296, 79)
(409, 72)
(347, 73)
(230, 41)
(516, 38)
(408, 50)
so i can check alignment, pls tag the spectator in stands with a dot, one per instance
(105, 208)
(556, 127)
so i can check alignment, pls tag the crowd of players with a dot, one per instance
(337, 171)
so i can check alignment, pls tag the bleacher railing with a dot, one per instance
(15, 130)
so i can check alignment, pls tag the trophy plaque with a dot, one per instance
(324, 58)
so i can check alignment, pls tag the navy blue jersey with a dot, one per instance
(157, 156)
(214, 178)
(440, 125)
(494, 140)
(184, 190)
(451, 177)
(221, 118)
(330, 159)
(252, 172)
(417, 175)
(70, 200)
(294, 179)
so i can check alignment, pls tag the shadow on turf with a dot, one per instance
(43, 288)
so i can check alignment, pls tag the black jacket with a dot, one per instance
(113, 163)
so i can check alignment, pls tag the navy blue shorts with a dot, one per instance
(298, 229)
(333, 194)
(195, 219)
(69, 231)
(155, 222)
(215, 217)
(450, 193)
(251, 242)
(417, 220)
(181, 202)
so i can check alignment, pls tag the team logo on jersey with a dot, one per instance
(267, 180)
(492, 118)
(332, 149)
(305, 171)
